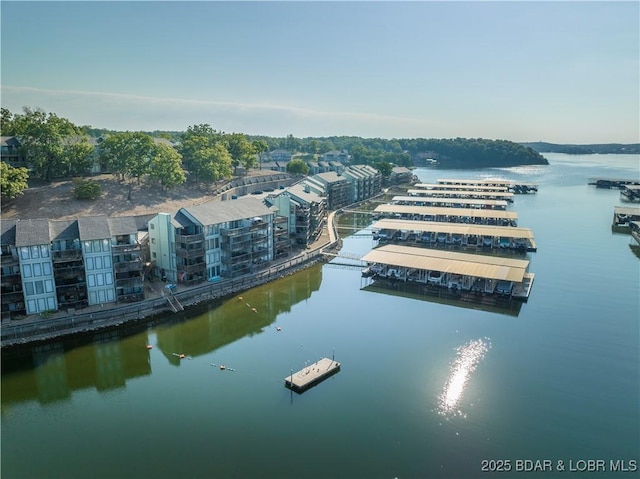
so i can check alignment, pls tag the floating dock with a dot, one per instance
(311, 375)
(616, 183)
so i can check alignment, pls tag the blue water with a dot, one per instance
(426, 389)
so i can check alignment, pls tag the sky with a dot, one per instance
(562, 72)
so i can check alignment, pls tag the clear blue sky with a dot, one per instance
(564, 72)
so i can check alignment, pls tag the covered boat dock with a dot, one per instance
(450, 202)
(427, 233)
(447, 215)
(440, 186)
(479, 195)
(452, 270)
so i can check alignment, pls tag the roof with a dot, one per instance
(298, 191)
(461, 193)
(479, 266)
(63, 230)
(439, 186)
(32, 232)
(330, 177)
(480, 181)
(400, 170)
(626, 210)
(94, 227)
(122, 225)
(456, 201)
(433, 210)
(9, 141)
(216, 212)
(8, 232)
(454, 228)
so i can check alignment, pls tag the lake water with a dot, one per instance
(427, 389)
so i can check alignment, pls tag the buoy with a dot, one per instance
(278, 328)
(181, 356)
(222, 367)
(149, 346)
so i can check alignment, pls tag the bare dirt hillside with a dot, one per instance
(56, 200)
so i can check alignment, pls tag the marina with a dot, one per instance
(451, 270)
(450, 202)
(441, 186)
(616, 183)
(630, 193)
(447, 215)
(622, 215)
(311, 375)
(513, 186)
(484, 195)
(454, 234)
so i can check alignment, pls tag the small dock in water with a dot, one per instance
(311, 375)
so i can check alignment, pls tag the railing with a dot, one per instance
(66, 255)
(189, 253)
(192, 268)
(127, 282)
(188, 239)
(12, 297)
(129, 266)
(16, 333)
(9, 260)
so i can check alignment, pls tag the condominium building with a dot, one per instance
(215, 239)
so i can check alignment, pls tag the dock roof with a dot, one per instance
(479, 182)
(479, 266)
(432, 210)
(454, 228)
(454, 201)
(626, 210)
(440, 186)
(461, 193)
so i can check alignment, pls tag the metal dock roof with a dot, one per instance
(431, 210)
(479, 182)
(454, 228)
(479, 266)
(461, 193)
(440, 186)
(454, 201)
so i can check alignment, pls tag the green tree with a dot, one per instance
(260, 147)
(205, 154)
(128, 154)
(53, 145)
(13, 181)
(241, 150)
(7, 124)
(166, 166)
(86, 189)
(298, 167)
(384, 168)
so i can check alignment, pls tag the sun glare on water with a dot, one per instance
(466, 362)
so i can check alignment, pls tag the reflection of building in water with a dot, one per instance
(215, 325)
(492, 304)
(106, 364)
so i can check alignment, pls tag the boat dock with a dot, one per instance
(616, 183)
(450, 202)
(478, 195)
(441, 186)
(311, 375)
(630, 193)
(447, 215)
(512, 186)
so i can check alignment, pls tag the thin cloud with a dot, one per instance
(128, 111)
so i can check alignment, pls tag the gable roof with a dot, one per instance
(216, 212)
(64, 230)
(94, 227)
(32, 232)
(122, 225)
(8, 232)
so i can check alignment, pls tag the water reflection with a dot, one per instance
(467, 359)
(106, 361)
(507, 306)
(247, 314)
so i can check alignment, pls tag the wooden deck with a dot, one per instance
(311, 375)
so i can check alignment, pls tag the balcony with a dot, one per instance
(130, 297)
(13, 297)
(190, 253)
(129, 282)
(192, 268)
(117, 249)
(128, 266)
(9, 260)
(190, 239)
(66, 255)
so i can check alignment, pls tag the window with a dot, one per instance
(90, 264)
(46, 269)
(91, 280)
(28, 288)
(88, 247)
(26, 271)
(100, 279)
(24, 253)
(107, 261)
(39, 287)
(51, 304)
(48, 286)
(108, 278)
(152, 226)
(106, 245)
(96, 246)
(35, 252)
(99, 262)
(32, 306)
(44, 251)
(153, 241)
(153, 255)
(37, 269)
